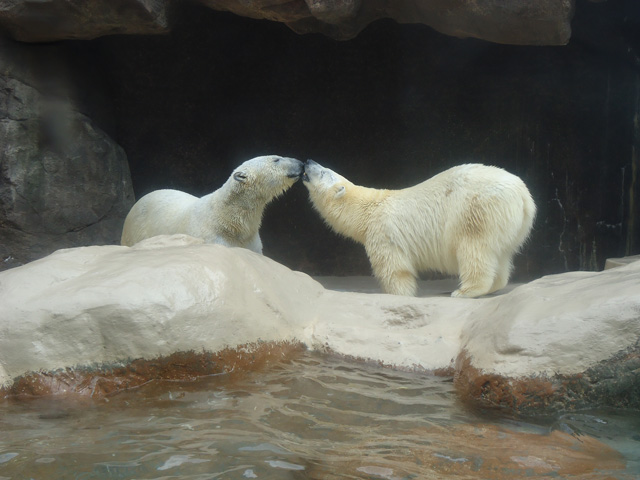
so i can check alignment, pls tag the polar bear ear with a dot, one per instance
(240, 176)
(340, 191)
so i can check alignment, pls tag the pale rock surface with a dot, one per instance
(564, 323)
(619, 262)
(110, 304)
(105, 304)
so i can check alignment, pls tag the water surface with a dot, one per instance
(316, 416)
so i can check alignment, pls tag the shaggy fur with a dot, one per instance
(229, 216)
(469, 220)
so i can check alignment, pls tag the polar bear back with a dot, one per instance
(468, 201)
(173, 206)
(180, 212)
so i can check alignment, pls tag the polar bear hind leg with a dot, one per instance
(479, 268)
(503, 273)
(505, 264)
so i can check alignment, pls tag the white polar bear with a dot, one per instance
(469, 220)
(229, 216)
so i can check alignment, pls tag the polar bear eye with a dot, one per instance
(276, 160)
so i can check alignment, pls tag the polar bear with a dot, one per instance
(229, 216)
(469, 220)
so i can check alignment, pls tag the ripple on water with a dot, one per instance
(5, 457)
(314, 417)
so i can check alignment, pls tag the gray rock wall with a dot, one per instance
(525, 22)
(52, 20)
(63, 181)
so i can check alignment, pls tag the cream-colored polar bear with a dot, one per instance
(469, 220)
(229, 216)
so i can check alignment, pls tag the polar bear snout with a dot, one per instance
(297, 168)
(319, 177)
(305, 175)
(311, 168)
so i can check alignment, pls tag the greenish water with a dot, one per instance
(313, 417)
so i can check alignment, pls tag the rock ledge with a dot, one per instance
(561, 342)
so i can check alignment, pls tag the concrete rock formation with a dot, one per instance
(522, 22)
(561, 342)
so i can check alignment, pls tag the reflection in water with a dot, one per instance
(314, 417)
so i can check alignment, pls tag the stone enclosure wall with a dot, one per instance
(63, 181)
(111, 108)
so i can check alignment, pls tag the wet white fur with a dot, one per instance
(229, 216)
(469, 220)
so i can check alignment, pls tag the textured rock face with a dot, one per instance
(523, 22)
(64, 182)
(51, 20)
(519, 23)
(559, 342)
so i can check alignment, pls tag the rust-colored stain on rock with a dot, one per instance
(109, 379)
(612, 383)
(492, 390)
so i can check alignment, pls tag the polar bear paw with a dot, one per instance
(469, 293)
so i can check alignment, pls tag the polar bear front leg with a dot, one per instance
(394, 277)
(400, 282)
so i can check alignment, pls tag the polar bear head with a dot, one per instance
(323, 183)
(333, 196)
(265, 177)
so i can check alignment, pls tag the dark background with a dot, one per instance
(389, 109)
